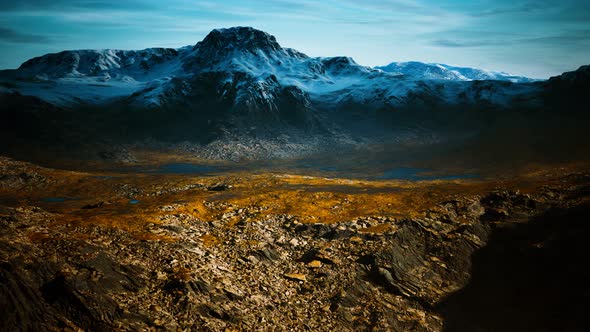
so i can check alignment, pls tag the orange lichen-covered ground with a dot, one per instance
(137, 250)
(105, 199)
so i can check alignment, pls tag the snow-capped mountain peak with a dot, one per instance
(239, 49)
(219, 41)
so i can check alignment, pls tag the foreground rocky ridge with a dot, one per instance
(275, 252)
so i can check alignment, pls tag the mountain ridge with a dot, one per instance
(155, 76)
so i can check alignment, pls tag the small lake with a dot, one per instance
(56, 199)
(173, 168)
(103, 177)
(420, 174)
(306, 167)
(185, 168)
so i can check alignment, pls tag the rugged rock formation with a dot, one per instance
(491, 259)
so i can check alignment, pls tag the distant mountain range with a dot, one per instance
(439, 71)
(240, 81)
(245, 64)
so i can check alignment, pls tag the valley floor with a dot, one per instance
(246, 250)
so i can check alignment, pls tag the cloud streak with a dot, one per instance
(564, 39)
(66, 5)
(12, 36)
(458, 44)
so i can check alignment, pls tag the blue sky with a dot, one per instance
(533, 38)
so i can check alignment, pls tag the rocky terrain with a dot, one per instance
(260, 252)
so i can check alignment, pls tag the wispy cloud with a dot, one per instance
(564, 39)
(12, 36)
(514, 9)
(463, 43)
(65, 5)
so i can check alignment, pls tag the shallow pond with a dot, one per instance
(311, 167)
(420, 174)
(184, 168)
(56, 199)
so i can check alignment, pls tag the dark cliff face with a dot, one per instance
(569, 91)
(579, 76)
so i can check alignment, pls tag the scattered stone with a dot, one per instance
(314, 264)
(296, 276)
(93, 206)
(219, 187)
